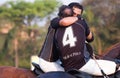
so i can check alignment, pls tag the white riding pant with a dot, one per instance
(91, 67)
(50, 66)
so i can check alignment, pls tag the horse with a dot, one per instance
(112, 53)
(13, 72)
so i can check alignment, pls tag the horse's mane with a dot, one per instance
(112, 47)
(113, 51)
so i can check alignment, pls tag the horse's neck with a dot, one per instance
(14, 72)
(112, 52)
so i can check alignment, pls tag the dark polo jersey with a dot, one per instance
(55, 24)
(70, 41)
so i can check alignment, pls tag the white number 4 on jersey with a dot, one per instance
(68, 38)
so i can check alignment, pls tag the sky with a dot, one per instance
(66, 2)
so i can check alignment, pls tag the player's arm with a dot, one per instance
(90, 37)
(67, 21)
(56, 22)
(89, 34)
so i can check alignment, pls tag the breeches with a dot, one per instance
(50, 66)
(91, 67)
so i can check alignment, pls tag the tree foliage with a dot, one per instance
(21, 14)
(103, 17)
(18, 11)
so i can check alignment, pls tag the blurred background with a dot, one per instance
(24, 23)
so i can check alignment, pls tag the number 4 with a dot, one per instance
(68, 38)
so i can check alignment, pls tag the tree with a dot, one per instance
(19, 11)
(103, 17)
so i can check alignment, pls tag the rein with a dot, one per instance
(103, 73)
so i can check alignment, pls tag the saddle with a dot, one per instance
(38, 71)
(58, 74)
(77, 74)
